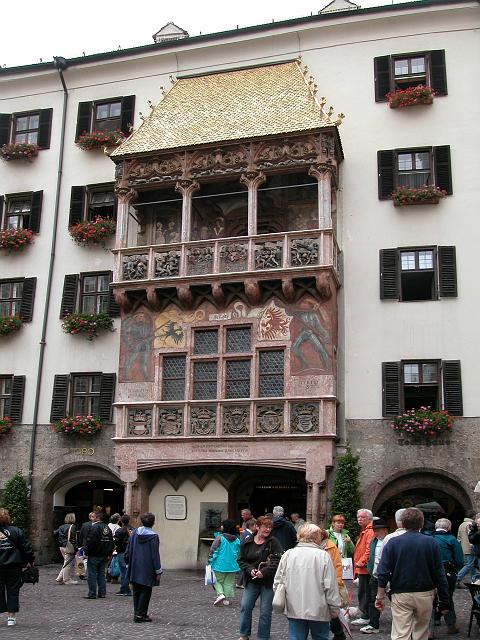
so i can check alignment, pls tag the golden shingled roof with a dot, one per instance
(231, 105)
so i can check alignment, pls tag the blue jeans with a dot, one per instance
(470, 567)
(250, 596)
(96, 576)
(298, 629)
(124, 583)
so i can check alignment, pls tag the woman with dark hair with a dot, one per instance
(15, 552)
(223, 559)
(144, 568)
(259, 558)
(67, 541)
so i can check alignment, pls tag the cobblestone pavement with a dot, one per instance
(181, 608)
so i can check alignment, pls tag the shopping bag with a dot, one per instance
(209, 575)
(344, 622)
(347, 568)
(279, 598)
(114, 569)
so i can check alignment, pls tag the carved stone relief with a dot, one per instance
(304, 252)
(233, 257)
(170, 421)
(268, 255)
(139, 422)
(236, 419)
(269, 418)
(304, 417)
(167, 264)
(135, 267)
(203, 421)
(200, 260)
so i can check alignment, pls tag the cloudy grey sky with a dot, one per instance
(35, 29)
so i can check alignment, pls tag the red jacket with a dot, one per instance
(362, 550)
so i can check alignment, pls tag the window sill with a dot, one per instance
(417, 202)
(427, 102)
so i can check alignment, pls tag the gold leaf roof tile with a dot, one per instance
(231, 105)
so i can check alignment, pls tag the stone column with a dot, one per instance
(187, 188)
(125, 195)
(252, 180)
(128, 497)
(323, 173)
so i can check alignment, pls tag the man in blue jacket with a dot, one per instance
(413, 566)
(452, 558)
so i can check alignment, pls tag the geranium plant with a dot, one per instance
(9, 324)
(89, 323)
(96, 231)
(19, 151)
(410, 97)
(5, 425)
(78, 425)
(12, 240)
(424, 422)
(100, 139)
(428, 194)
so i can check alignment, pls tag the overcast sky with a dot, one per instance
(35, 29)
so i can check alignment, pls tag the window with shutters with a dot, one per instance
(414, 168)
(88, 293)
(108, 116)
(401, 71)
(111, 114)
(31, 127)
(413, 274)
(411, 384)
(25, 128)
(10, 297)
(83, 394)
(22, 211)
(90, 201)
(6, 386)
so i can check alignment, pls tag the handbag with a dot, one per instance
(210, 578)
(114, 568)
(279, 598)
(30, 575)
(347, 568)
(69, 547)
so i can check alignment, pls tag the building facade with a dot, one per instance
(269, 302)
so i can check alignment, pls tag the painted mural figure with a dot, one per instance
(137, 340)
(311, 331)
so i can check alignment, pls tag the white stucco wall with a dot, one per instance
(179, 539)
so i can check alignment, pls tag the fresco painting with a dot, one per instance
(136, 348)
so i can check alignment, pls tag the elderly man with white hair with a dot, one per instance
(283, 530)
(360, 561)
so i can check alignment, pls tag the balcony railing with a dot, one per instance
(201, 260)
(226, 418)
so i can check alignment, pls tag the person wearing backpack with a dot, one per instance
(98, 547)
(223, 560)
(67, 541)
(15, 552)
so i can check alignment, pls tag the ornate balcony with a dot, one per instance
(295, 253)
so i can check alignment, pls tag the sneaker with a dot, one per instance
(71, 582)
(244, 638)
(11, 622)
(360, 621)
(226, 602)
(369, 629)
(219, 598)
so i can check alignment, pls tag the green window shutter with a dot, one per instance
(113, 307)
(452, 387)
(107, 393)
(386, 172)
(382, 77)
(28, 297)
(45, 128)
(83, 118)
(391, 374)
(447, 272)
(77, 205)
(16, 399)
(438, 72)
(59, 397)
(36, 211)
(389, 281)
(5, 127)
(69, 295)
(443, 168)
(128, 106)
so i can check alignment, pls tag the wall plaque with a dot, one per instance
(175, 507)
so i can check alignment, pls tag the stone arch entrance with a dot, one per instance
(76, 488)
(437, 493)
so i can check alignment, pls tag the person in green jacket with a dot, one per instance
(223, 559)
(339, 536)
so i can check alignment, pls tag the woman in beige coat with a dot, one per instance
(311, 589)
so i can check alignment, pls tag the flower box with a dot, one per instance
(78, 425)
(404, 196)
(96, 231)
(100, 139)
(410, 97)
(12, 240)
(423, 425)
(19, 151)
(89, 323)
(9, 324)
(5, 425)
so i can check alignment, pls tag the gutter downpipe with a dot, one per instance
(60, 64)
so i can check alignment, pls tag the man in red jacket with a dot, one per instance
(360, 561)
